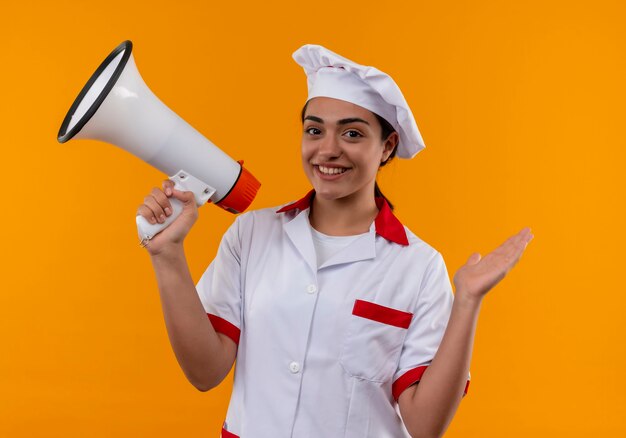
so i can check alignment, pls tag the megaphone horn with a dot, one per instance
(117, 107)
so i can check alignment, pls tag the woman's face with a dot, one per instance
(342, 148)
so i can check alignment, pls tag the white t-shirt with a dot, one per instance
(327, 246)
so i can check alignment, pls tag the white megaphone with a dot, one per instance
(117, 107)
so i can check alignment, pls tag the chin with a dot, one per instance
(331, 194)
(327, 195)
(326, 192)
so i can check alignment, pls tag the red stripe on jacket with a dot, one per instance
(223, 326)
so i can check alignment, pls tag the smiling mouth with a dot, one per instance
(331, 170)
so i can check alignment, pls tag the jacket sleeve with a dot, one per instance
(219, 287)
(430, 319)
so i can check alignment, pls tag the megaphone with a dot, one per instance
(117, 107)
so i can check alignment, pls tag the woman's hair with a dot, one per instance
(387, 129)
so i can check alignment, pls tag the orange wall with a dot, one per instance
(521, 105)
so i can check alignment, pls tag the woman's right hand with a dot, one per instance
(157, 207)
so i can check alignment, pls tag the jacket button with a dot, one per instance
(311, 288)
(294, 367)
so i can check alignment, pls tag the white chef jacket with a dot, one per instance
(324, 351)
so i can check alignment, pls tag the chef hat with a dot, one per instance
(332, 75)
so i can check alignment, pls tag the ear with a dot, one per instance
(389, 145)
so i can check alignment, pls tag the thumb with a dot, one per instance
(474, 258)
(186, 197)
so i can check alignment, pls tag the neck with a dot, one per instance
(344, 216)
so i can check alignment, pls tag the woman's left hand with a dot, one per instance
(479, 275)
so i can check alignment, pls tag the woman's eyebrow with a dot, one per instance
(351, 120)
(315, 119)
(339, 122)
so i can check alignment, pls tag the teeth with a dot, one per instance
(331, 170)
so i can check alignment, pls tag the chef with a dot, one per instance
(342, 321)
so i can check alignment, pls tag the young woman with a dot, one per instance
(342, 321)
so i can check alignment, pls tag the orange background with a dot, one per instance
(521, 105)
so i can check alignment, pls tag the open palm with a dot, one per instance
(479, 275)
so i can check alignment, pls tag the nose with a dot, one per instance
(329, 147)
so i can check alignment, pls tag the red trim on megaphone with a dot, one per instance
(242, 194)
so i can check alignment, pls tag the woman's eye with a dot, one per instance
(312, 131)
(353, 134)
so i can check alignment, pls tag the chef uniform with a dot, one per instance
(326, 345)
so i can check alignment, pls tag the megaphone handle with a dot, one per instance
(183, 181)
(147, 230)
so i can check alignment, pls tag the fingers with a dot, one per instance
(155, 209)
(510, 251)
(474, 258)
(156, 206)
(521, 241)
(514, 247)
(525, 235)
(187, 197)
(517, 242)
(529, 235)
(168, 186)
(145, 211)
